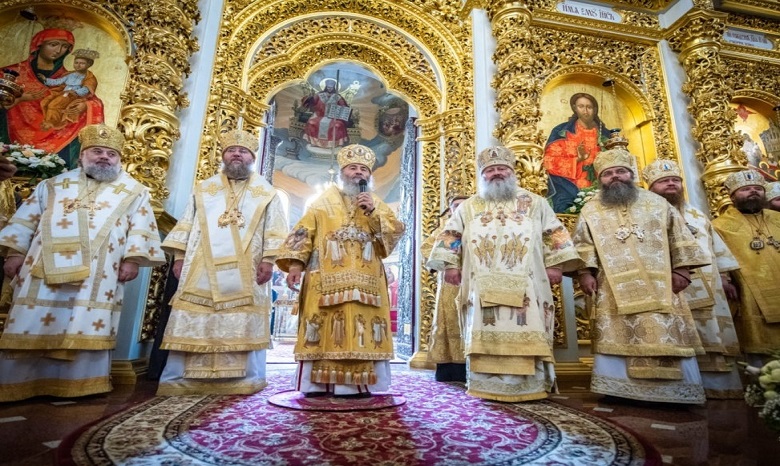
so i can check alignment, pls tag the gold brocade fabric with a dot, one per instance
(446, 342)
(664, 236)
(660, 323)
(345, 246)
(757, 318)
(344, 310)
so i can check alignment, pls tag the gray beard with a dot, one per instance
(96, 172)
(750, 206)
(619, 194)
(236, 171)
(496, 191)
(351, 188)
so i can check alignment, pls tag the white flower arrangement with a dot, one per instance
(33, 162)
(764, 394)
(582, 198)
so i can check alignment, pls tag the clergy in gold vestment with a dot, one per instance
(504, 247)
(224, 247)
(705, 295)
(344, 339)
(752, 233)
(640, 251)
(72, 245)
(445, 345)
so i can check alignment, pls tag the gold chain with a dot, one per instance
(78, 202)
(757, 243)
(233, 214)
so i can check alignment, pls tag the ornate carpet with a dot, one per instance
(439, 425)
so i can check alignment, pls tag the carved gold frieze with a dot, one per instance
(698, 38)
(765, 8)
(757, 23)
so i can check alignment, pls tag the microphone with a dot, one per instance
(363, 187)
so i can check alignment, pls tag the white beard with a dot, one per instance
(99, 173)
(496, 191)
(352, 188)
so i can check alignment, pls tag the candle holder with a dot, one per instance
(9, 90)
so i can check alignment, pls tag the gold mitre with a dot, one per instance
(660, 168)
(614, 158)
(496, 155)
(103, 136)
(355, 153)
(772, 190)
(86, 53)
(744, 178)
(238, 137)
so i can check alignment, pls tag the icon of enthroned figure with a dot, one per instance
(327, 126)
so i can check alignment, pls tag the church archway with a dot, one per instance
(271, 46)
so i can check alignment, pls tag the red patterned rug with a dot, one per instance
(296, 400)
(439, 424)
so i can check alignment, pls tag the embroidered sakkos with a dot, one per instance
(503, 249)
(344, 310)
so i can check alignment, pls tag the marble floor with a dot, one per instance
(719, 433)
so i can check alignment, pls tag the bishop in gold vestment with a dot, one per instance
(505, 247)
(224, 247)
(344, 339)
(72, 245)
(705, 295)
(752, 233)
(644, 336)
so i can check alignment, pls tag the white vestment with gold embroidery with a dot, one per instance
(67, 298)
(218, 329)
(506, 302)
(710, 308)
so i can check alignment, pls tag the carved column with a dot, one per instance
(697, 37)
(162, 36)
(518, 90)
(430, 139)
(459, 158)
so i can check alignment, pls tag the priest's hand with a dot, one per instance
(588, 283)
(366, 202)
(264, 272)
(7, 168)
(729, 288)
(127, 271)
(452, 276)
(555, 275)
(294, 277)
(177, 265)
(12, 265)
(681, 278)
